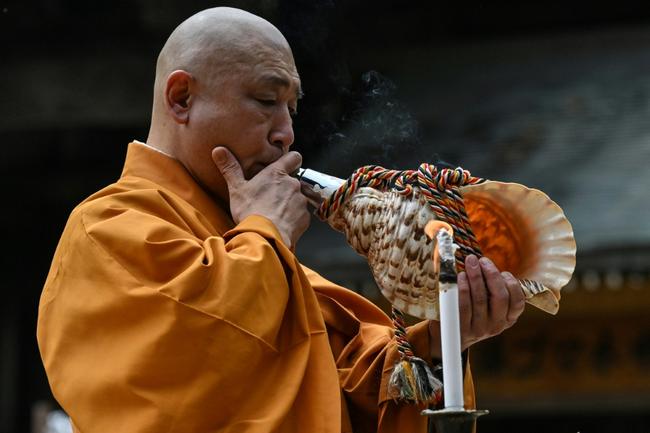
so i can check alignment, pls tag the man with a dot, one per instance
(175, 303)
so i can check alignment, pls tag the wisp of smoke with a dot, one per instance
(378, 129)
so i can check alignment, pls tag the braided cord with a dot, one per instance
(440, 188)
(403, 345)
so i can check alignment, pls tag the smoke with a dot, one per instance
(376, 129)
(346, 119)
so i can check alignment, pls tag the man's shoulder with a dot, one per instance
(127, 195)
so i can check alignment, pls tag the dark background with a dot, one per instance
(75, 88)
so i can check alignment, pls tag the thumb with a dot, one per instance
(228, 166)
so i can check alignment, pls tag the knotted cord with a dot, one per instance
(440, 187)
(412, 380)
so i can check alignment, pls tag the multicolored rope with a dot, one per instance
(440, 187)
(403, 345)
(412, 380)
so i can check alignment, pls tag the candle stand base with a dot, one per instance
(452, 421)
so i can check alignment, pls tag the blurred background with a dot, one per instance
(553, 94)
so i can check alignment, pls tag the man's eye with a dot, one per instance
(267, 102)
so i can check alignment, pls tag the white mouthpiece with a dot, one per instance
(321, 183)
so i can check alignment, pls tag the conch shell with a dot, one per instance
(520, 229)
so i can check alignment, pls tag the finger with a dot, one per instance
(464, 301)
(305, 219)
(314, 198)
(300, 217)
(228, 166)
(499, 295)
(287, 163)
(478, 291)
(517, 297)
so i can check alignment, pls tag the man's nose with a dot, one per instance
(282, 132)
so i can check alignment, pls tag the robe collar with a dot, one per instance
(148, 163)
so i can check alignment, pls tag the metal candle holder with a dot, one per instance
(452, 421)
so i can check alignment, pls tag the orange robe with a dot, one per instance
(159, 314)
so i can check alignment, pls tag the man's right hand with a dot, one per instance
(272, 193)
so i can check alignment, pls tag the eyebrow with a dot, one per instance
(278, 80)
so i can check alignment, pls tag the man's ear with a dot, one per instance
(178, 93)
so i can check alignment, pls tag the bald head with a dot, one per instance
(215, 41)
(225, 77)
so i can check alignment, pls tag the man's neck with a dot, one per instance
(157, 150)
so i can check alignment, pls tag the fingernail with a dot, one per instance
(508, 275)
(486, 262)
(472, 261)
(219, 155)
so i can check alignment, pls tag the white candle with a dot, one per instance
(452, 374)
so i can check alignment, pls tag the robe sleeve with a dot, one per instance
(200, 273)
(144, 327)
(362, 340)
